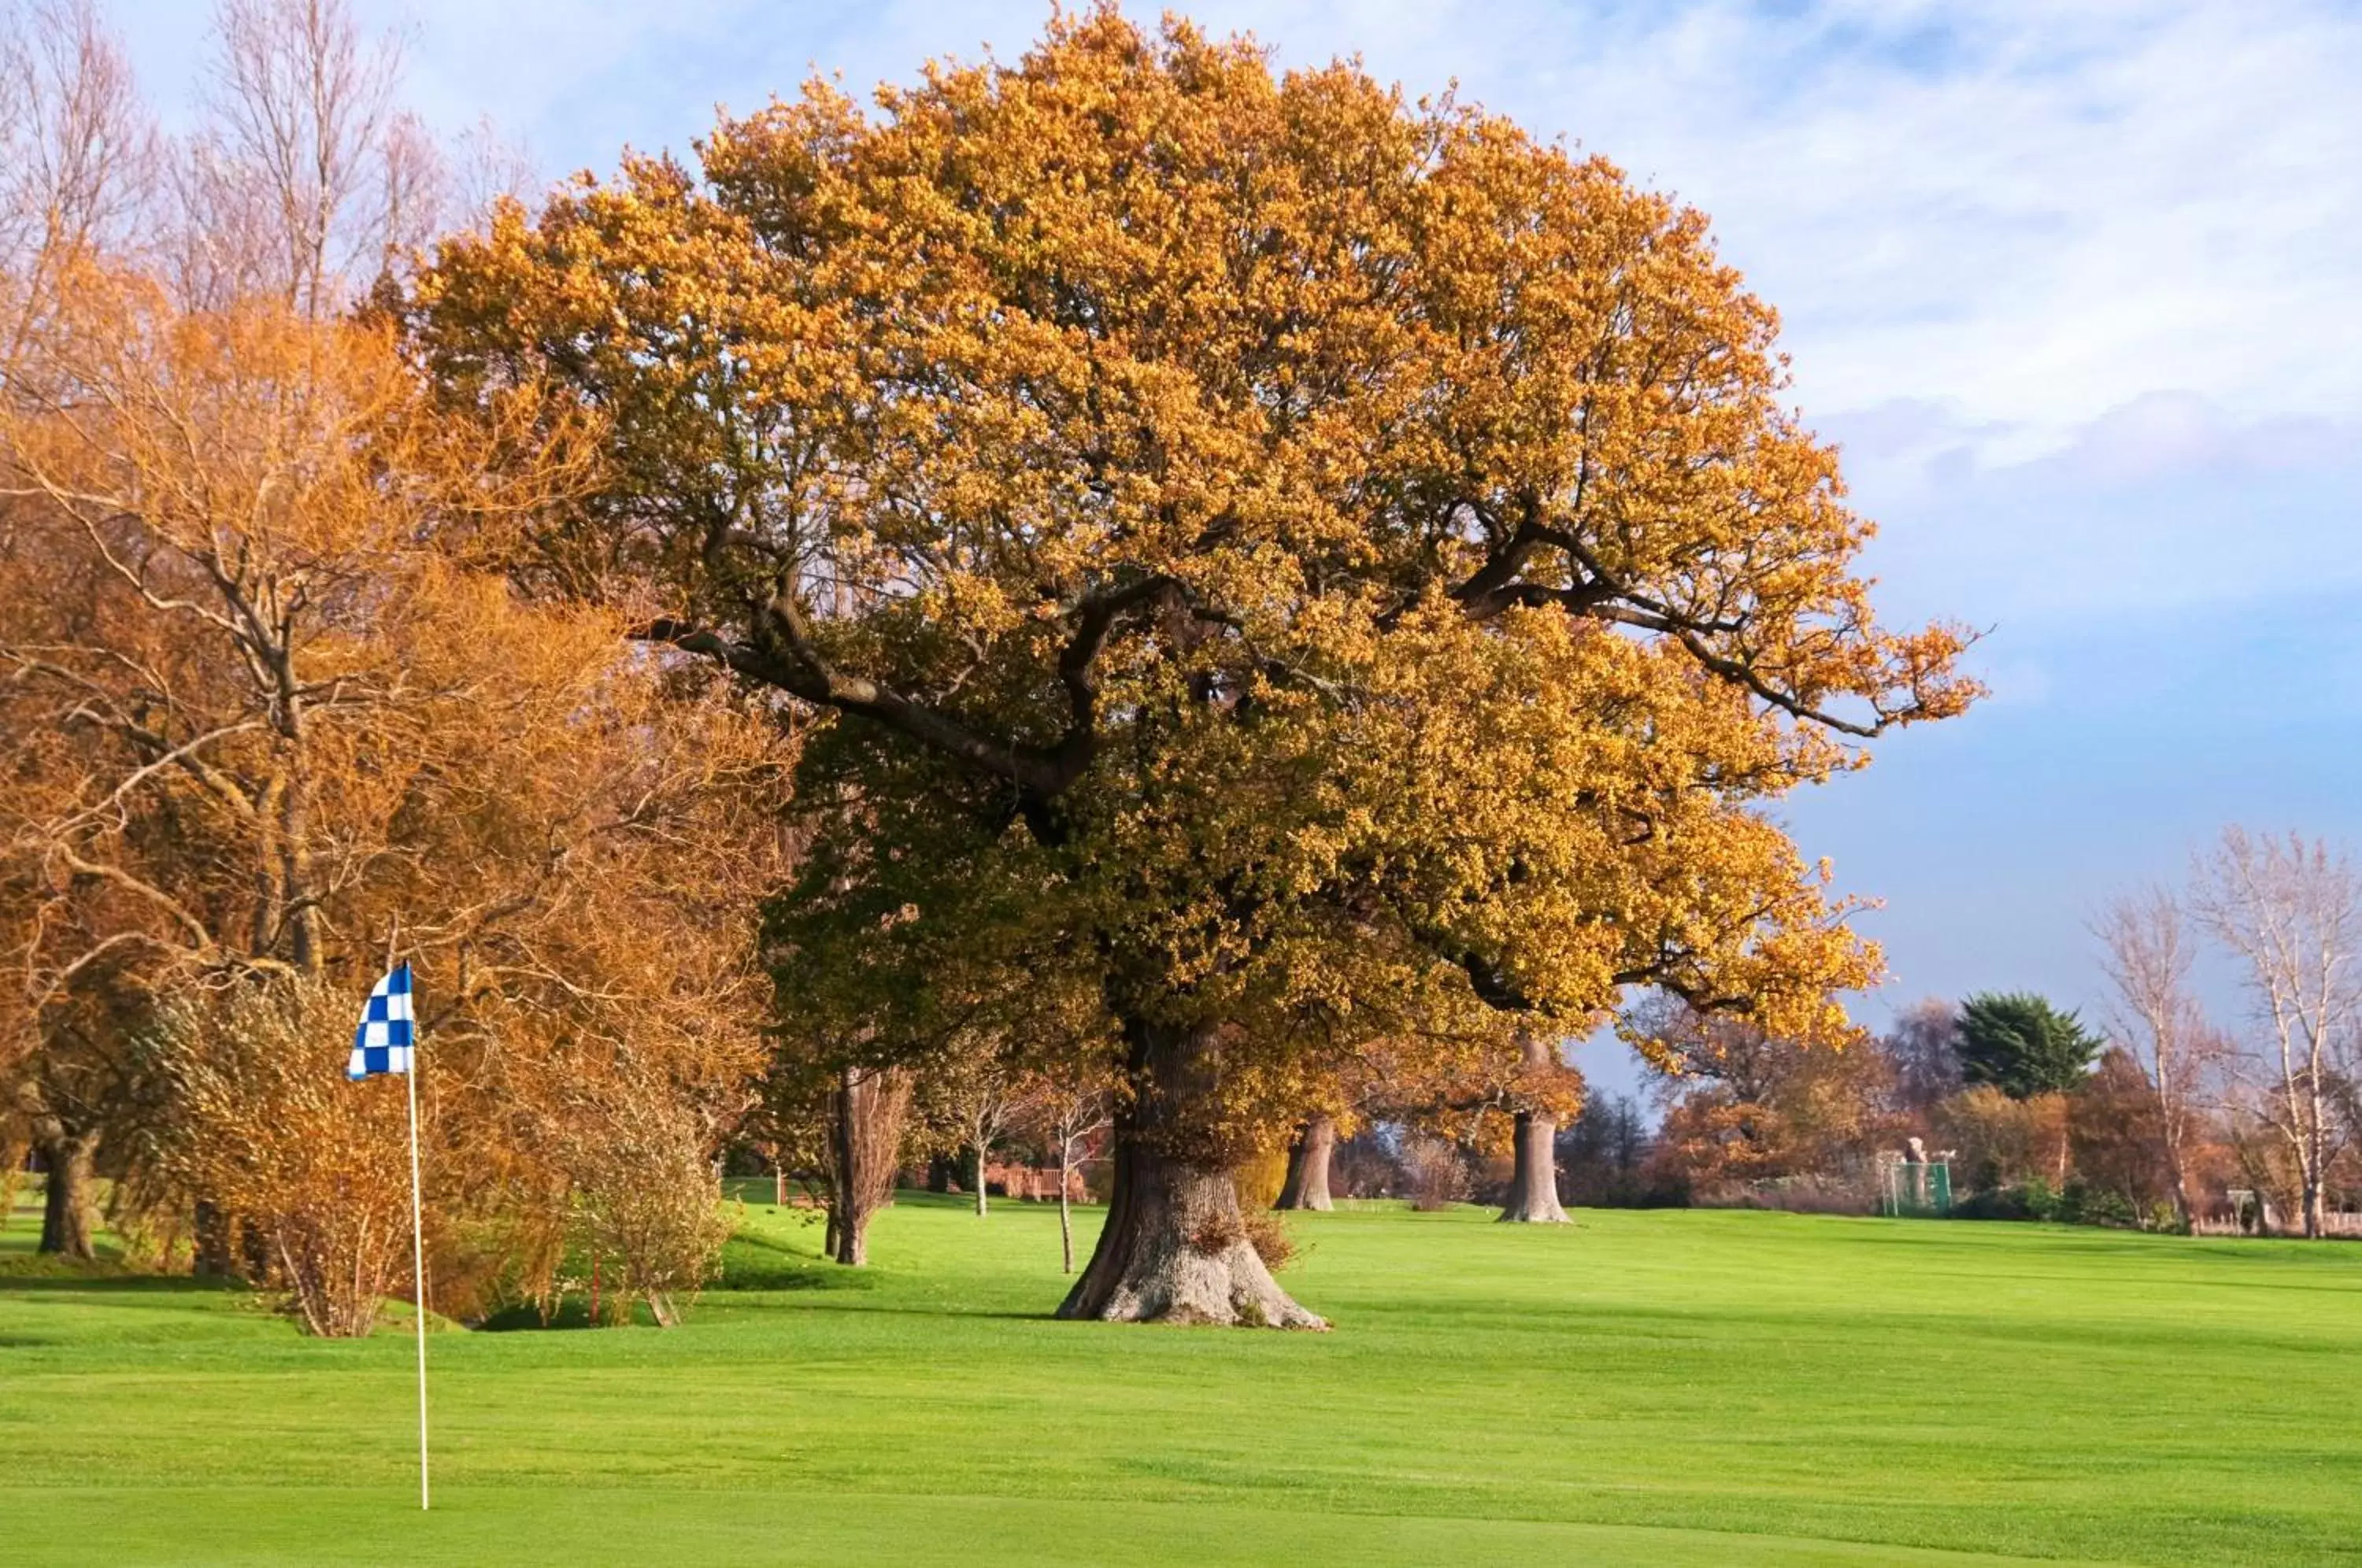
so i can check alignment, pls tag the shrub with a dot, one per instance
(2085, 1205)
(2000, 1141)
(644, 1204)
(1994, 1203)
(1434, 1175)
(258, 1117)
(2076, 1203)
(1841, 1193)
(1259, 1179)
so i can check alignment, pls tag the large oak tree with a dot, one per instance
(1309, 569)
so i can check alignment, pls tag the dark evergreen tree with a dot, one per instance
(2021, 1044)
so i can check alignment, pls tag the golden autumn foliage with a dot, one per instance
(1302, 571)
(268, 718)
(1745, 1106)
(264, 1124)
(270, 712)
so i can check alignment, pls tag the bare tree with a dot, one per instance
(485, 168)
(1071, 1115)
(77, 158)
(78, 153)
(307, 180)
(2292, 911)
(1925, 1047)
(2147, 952)
(980, 1101)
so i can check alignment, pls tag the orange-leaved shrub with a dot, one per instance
(257, 1113)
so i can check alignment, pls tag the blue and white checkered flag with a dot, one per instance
(382, 1043)
(385, 1043)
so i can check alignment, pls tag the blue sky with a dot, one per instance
(2075, 286)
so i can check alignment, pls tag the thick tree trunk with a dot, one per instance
(848, 1236)
(848, 1210)
(1175, 1248)
(1307, 1167)
(1533, 1183)
(69, 1227)
(1533, 1180)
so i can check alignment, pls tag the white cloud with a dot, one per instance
(2075, 283)
(2168, 502)
(2034, 213)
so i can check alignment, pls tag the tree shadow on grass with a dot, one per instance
(526, 1317)
(56, 1277)
(753, 1261)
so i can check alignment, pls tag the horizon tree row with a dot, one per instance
(2162, 1116)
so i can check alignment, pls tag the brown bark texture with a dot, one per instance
(1175, 1247)
(865, 1137)
(1533, 1179)
(210, 1228)
(1307, 1167)
(1533, 1182)
(1066, 1208)
(69, 1225)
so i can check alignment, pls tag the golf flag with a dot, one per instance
(382, 1043)
(385, 1043)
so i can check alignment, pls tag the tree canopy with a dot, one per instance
(2022, 1045)
(1294, 570)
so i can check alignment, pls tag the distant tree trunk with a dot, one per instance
(865, 1126)
(2312, 1165)
(2177, 1171)
(12, 1170)
(1065, 1207)
(1307, 1167)
(1533, 1184)
(1175, 1248)
(68, 1226)
(1533, 1181)
(209, 1249)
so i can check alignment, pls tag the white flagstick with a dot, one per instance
(417, 1251)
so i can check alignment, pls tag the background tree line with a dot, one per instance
(2156, 1115)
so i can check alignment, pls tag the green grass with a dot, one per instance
(1674, 1388)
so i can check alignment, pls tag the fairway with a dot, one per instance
(1670, 1386)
